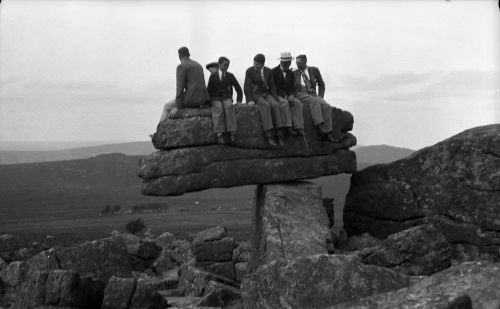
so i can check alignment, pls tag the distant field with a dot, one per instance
(65, 198)
(62, 198)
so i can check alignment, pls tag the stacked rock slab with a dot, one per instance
(289, 221)
(213, 251)
(189, 158)
(454, 184)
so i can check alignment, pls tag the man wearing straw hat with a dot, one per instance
(285, 89)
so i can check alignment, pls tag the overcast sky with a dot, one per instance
(411, 72)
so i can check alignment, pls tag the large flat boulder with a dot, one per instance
(468, 285)
(454, 184)
(289, 222)
(316, 282)
(190, 159)
(193, 127)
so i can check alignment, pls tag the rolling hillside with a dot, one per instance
(63, 196)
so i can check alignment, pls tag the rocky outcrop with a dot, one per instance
(316, 282)
(289, 222)
(213, 251)
(454, 184)
(468, 285)
(420, 250)
(99, 258)
(60, 288)
(190, 158)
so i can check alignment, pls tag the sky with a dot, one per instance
(411, 72)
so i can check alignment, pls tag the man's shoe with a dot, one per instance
(330, 138)
(291, 131)
(220, 139)
(272, 142)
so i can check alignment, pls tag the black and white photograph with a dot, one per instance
(322, 154)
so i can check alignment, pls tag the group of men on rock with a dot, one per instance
(279, 95)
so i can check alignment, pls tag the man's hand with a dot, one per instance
(173, 112)
(251, 103)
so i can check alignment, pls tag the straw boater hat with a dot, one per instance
(285, 56)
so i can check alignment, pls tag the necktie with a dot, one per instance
(263, 79)
(223, 75)
(307, 82)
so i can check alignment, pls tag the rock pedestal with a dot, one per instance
(289, 221)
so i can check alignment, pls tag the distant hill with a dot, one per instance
(366, 154)
(132, 149)
(377, 154)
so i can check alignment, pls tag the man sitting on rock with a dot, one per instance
(220, 89)
(307, 79)
(191, 88)
(260, 89)
(285, 88)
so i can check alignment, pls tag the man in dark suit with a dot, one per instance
(307, 80)
(220, 90)
(260, 89)
(191, 89)
(286, 90)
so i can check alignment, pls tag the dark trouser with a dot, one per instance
(321, 112)
(223, 118)
(270, 112)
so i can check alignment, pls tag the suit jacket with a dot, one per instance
(191, 89)
(284, 87)
(315, 78)
(255, 88)
(223, 89)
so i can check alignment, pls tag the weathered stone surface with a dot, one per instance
(66, 288)
(192, 281)
(219, 295)
(214, 233)
(420, 250)
(228, 172)
(214, 250)
(165, 239)
(60, 288)
(32, 291)
(289, 222)
(194, 128)
(180, 252)
(358, 242)
(118, 293)
(468, 285)
(14, 273)
(164, 262)
(455, 184)
(99, 258)
(316, 282)
(242, 252)
(223, 269)
(146, 250)
(146, 296)
(240, 270)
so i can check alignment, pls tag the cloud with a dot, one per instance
(412, 86)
